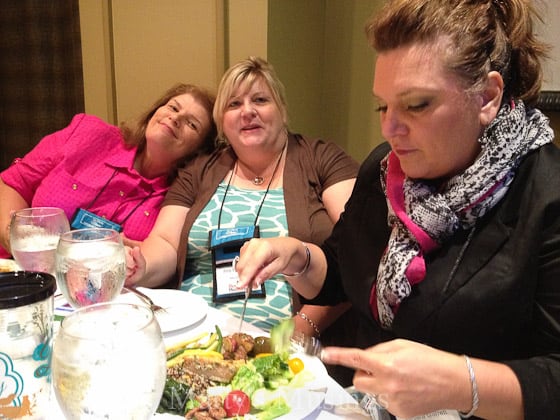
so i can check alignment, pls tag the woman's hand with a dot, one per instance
(135, 265)
(407, 378)
(261, 259)
(130, 242)
(304, 265)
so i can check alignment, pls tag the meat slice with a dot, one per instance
(214, 369)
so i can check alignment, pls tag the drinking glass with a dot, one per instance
(90, 266)
(34, 234)
(109, 362)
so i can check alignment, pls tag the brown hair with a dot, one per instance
(135, 132)
(246, 72)
(481, 35)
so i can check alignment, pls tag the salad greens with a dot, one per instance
(269, 371)
(175, 397)
(247, 379)
(274, 370)
(266, 379)
(275, 408)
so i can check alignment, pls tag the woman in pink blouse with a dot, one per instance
(118, 173)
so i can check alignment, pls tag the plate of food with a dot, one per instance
(7, 265)
(236, 376)
(181, 309)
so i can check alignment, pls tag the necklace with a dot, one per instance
(259, 179)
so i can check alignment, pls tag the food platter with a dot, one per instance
(303, 401)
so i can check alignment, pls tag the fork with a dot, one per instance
(301, 343)
(155, 308)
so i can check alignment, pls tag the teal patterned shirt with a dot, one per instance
(240, 209)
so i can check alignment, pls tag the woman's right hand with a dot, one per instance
(262, 258)
(135, 265)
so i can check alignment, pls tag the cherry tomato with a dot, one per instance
(237, 403)
(296, 365)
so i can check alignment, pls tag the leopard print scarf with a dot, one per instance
(422, 218)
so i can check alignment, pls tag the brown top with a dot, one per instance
(311, 166)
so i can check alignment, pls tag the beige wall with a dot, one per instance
(246, 22)
(97, 59)
(135, 49)
(319, 50)
(158, 43)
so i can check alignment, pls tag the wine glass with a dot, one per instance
(90, 266)
(109, 362)
(34, 234)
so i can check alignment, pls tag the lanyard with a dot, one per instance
(105, 187)
(265, 193)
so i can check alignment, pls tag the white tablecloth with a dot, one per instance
(338, 404)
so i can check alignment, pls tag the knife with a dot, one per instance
(247, 294)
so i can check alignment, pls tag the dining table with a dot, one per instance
(335, 402)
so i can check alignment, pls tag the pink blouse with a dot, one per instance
(87, 165)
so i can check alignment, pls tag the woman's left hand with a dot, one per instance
(130, 242)
(135, 266)
(407, 378)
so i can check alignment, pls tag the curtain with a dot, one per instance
(41, 81)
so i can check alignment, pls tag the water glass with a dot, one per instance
(26, 331)
(90, 266)
(109, 363)
(34, 234)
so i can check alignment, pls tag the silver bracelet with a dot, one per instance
(307, 263)
(310, 322)
(474, 388)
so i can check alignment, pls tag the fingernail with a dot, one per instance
(234, 263)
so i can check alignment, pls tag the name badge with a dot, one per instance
(225, 245)
(86, 219)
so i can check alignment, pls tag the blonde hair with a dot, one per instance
(246, 73)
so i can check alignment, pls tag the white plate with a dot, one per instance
(182, 309)
(302, 401)
(7, 265)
